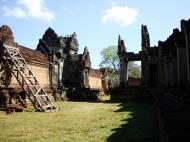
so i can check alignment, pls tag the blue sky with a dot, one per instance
(97, 23)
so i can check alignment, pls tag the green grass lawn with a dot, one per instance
(82, 122)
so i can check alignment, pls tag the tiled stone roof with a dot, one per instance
(30, 54)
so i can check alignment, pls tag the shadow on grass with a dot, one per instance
(141, 127)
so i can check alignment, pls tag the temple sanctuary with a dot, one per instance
(55, 63)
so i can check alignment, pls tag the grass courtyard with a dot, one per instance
(128, 121)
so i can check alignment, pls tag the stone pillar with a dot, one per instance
(161, 73)
(160, 79)
(126, 73)
(123, 71)
(55, 75)
(188, 60)
(86, 79)
(185, 28)
(175, 71)
(60, 74)
(166, 75)
(145, 72)
(187, 42)
(187, 38)
(171, 72)
(83, 81)
(182, 63)
(82, 77)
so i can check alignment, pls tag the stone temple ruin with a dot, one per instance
(166, 65)
(55, 64)
(165, 71)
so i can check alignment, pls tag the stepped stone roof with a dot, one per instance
(95, 73)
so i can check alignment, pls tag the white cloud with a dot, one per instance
(15, 12)
(31, 9)
(124, 16)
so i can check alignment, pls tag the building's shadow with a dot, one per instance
(140, 127)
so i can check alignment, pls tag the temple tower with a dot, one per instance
(123, 62)
(145, 45)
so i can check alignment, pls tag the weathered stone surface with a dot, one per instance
(55, 63)
(167, 64)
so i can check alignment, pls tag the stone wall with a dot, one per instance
(134, 81)
(95, 82)
(166, 65)
(41, 73)
(55, 64)
(98, 79)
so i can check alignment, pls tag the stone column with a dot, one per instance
(166, 76)
(123, 71)
(55, 74)
(145, 72)
(171, 72)
(160, 79)
(126, 73)
(160, 73)
(178, 67)
(60, 74)
(187, 38)
(175, 71)
(182, 64)
(86, 78)
(185, 28)
(170, 69)
(83, 82)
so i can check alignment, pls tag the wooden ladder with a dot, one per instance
(18, 66)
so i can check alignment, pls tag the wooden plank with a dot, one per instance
(27, 80)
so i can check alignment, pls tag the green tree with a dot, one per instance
(110, 60)
(134, 70)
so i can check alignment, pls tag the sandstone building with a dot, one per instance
(166, 65)
(165, 71)
(55, 63)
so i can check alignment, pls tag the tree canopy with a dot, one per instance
(110, 60)
(110, 57)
